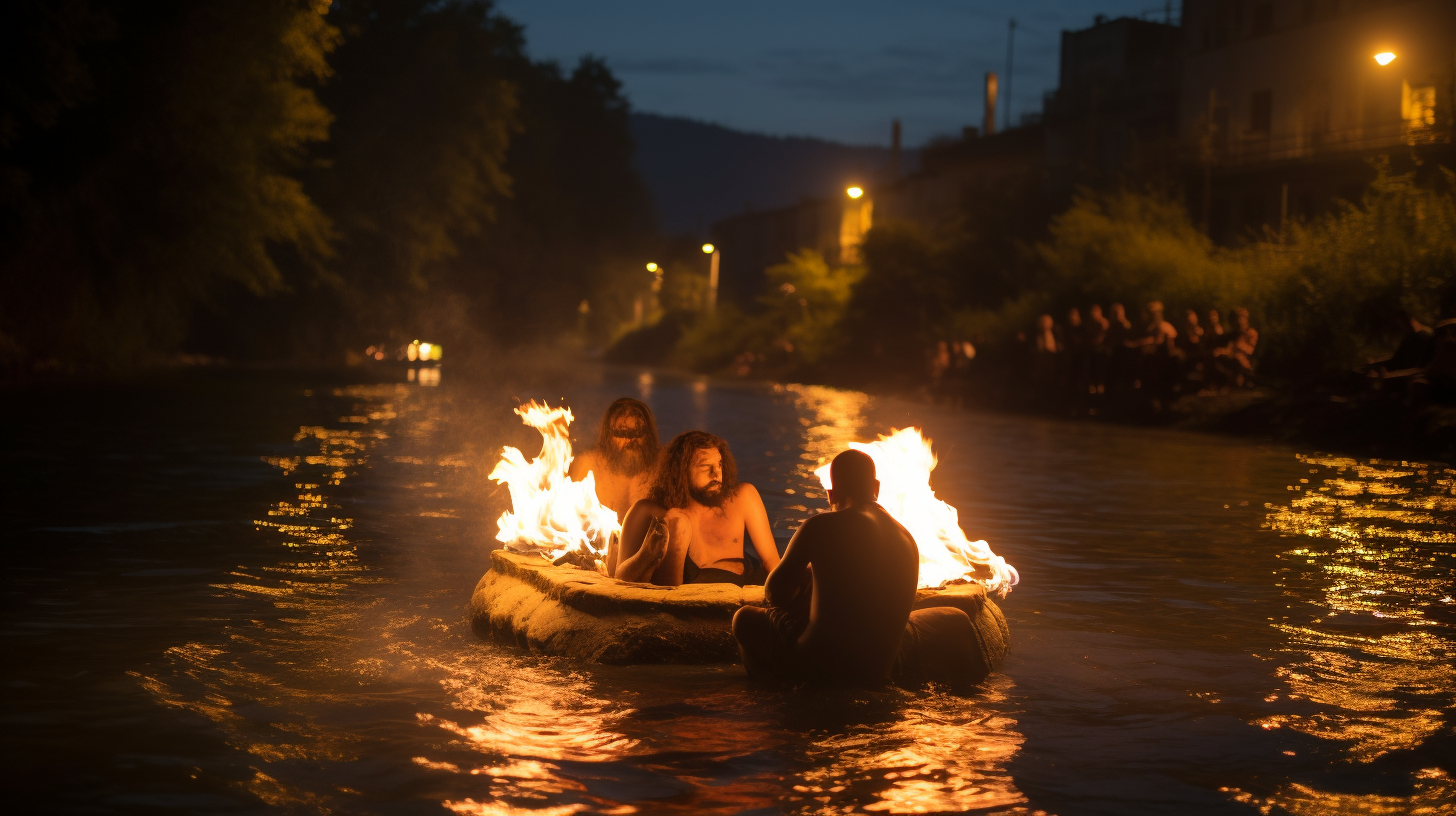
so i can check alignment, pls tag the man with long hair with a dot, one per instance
(692, 526)
(627, 448)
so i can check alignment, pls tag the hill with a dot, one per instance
(699, 173)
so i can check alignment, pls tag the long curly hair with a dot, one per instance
(672, 480)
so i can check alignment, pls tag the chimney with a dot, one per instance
(895, 150)
(990, 128)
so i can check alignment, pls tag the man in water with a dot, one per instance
(691, 527)
(627, 447)
(839, 602)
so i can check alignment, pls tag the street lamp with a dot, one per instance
(712, 251)
(652, 267)
(854, 192)
(1385, 57)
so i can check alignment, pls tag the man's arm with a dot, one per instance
(789, 578)
(581, 466)
(640, 554)
(755, 519)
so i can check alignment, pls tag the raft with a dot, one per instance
(570, 612)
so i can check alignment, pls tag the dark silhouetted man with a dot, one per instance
(857, 568)
(692, 525)
(627, 448)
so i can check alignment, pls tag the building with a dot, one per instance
(1284, 102)
(1115, 109)
(1264, 110)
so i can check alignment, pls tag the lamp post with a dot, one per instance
(712, 252)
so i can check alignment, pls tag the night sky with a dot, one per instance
(835, 69)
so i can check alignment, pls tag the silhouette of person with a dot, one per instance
(1098, 327)
(1123, 347)
(1417, 346)
(621, 463)
(1237, 357)
(839, 602)
(692, 526)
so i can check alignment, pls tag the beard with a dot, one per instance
(713, 495)
(628, 461)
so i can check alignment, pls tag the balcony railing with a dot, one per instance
(1251, 148)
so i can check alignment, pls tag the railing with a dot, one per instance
(1257, 149)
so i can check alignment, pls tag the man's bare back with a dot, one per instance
(860, 569)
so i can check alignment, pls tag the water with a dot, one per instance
(247, 594)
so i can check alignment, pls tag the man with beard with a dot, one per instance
(627, 447)
(692, 525)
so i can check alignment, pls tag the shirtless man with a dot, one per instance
(622, 461)
(691, 527)
(865, 567)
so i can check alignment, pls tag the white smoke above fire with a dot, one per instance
(903, 462)
(551, 514)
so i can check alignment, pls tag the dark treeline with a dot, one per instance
(295, 179)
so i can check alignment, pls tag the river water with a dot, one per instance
(243, 593)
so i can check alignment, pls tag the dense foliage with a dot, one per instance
(1326, 295)
(296, 178)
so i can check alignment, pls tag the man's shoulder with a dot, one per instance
(745, 495)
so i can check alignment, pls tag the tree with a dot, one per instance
(150, 157)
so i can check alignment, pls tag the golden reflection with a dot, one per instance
(1369, 632)
(263, 685)
(1435, 793)
(942, 754)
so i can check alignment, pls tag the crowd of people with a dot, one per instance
(1091, 360)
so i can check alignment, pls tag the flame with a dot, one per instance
(903, 461)
(550, 514)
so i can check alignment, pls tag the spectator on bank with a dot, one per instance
(1437, 381)
(1236, 360)
(1123, 345)
(1190, 341)
(1214, 338)
(1417, 347)
(1100, 352)
(1076, 361)
(1156, 368)
(1045, 349)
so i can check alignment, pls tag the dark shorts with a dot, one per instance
(789, 623)
(713, 575)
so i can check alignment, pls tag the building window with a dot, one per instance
(1262, 21)
(1261, 112)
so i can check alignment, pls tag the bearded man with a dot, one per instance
(627, 447)
(692, 525)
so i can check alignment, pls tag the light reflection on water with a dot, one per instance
(1175, 647)
(1370, 645)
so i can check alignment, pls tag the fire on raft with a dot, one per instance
(538, 595)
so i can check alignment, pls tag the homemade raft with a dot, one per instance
(578, 613)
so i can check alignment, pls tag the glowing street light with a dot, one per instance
(854, 192)
(652, 267)
(709, 249)
(1385, 57)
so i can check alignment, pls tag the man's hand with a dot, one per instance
(655, 543)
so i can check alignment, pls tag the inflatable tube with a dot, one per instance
(577, 613)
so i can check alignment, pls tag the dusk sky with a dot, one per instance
(835, 69)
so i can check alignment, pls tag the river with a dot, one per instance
(246, 592)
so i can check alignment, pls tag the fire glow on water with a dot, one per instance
(903, 461)
(552, 515)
